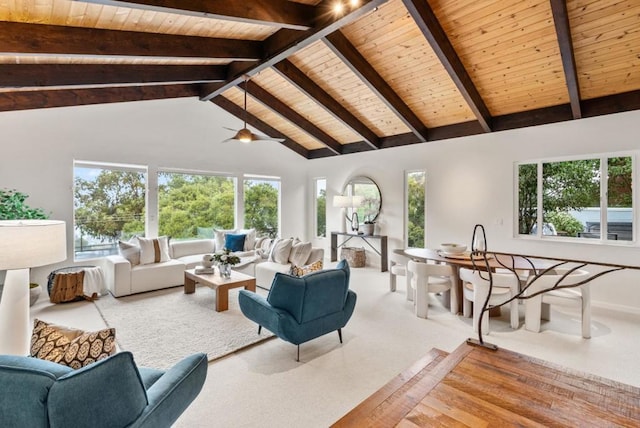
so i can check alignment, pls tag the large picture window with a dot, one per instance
(262, 205)
(109, 205)
(584, 198)
(191, 205)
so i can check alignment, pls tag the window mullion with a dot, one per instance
(604, 198)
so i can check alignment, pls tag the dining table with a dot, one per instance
(476, 260)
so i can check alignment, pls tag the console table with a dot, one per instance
(366, 238)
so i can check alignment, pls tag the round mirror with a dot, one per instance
(371, 202)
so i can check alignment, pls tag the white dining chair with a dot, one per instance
(476, 289)
(431, 278)
(398, 267)
(538, 308)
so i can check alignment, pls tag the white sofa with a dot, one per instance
(122, 278)
(266, 270)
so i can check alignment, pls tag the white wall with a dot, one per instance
(469, 180)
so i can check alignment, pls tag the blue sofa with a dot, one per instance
(110, 393)
(299, 309)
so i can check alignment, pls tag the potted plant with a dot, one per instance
(225, 260)
(368, 227)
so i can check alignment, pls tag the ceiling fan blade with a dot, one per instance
(260, 137)
(228, 140)
(230, 129)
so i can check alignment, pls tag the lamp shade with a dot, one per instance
(31, 243)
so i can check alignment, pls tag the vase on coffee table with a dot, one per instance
(225, 270)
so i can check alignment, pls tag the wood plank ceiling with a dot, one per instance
(379, 74)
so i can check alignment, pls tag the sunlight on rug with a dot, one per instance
(161, 327)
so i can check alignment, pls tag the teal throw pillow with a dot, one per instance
(234, 242)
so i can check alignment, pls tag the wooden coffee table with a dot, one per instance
(221, 285)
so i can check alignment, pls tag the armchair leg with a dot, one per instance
(259, 329)
(298, 357)
(340, 334)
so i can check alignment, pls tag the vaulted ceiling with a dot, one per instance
(378, 74)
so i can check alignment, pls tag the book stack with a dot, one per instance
(202, 269)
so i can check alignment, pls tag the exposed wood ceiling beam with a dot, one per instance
(432, 30)
(54, 39)
(301, 81)
(563, 30)
(281, 13)
(31, 75)
(285, 43)
(610, 104)
(267, 129)
(348, 53)
(280, 108)
(26, 100)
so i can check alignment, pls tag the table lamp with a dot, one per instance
(353, 202)
(24, 244)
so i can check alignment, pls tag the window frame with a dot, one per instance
(315, 222)
(604, 207)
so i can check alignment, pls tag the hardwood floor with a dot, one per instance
(476, 387)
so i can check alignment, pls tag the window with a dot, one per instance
(262, 205)
(415, 182)
(321, 207)
(109, 205)
(588, 198)
(191, 205)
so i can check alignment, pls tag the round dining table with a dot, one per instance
(492, 262)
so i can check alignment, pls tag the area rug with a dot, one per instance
(161, 327)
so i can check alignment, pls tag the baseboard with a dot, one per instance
(617, 308)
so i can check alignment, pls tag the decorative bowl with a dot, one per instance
(450, 248)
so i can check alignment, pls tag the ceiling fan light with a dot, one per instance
(244, 135)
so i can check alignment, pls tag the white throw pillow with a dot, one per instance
(249, 239)
(154, 250)
(219, 235)
(280, 251)
(300, 253)
(130, 250)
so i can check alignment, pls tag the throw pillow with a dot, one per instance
(219, 237)
(90, 347)
(234, 242)
(154, 250)
(49, 341)
(130, 250)
(301, 271)
(250, 240)
(280, 251)
(300, 253)
(265, 248)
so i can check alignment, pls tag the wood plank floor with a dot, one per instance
(477, 387)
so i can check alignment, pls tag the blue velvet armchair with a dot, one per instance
(300, 309)
(110, 393)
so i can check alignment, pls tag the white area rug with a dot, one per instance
(161, 327)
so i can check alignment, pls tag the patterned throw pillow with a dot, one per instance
(154, 250)
(301, 271)
(49, 341)
(90, 347)
(69, 346)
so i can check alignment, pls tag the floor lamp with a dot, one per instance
(24, 244)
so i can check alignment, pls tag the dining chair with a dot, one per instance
(428, 278)
(398, 267)
(538, 308)
(476, 289)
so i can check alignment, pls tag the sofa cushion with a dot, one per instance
(234, 242)
(219, 237)
(190, 247)
(156, 276)
(280, 251)
(130, 250)
(300, 253)
(154, 250)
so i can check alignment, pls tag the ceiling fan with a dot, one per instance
(245, 135)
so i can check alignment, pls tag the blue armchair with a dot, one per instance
(300, 309)
(110, 393)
